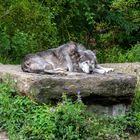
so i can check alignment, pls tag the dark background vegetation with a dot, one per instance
(112, 27)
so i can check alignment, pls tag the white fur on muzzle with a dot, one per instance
(84, 66)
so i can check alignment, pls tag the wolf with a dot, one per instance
(70, 57)
(53, 61)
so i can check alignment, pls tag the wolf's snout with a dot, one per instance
(90, 69)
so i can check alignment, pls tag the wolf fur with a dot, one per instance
(88, 62)
(72, 57)
(61, 59)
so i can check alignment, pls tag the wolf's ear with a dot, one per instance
(94, 51)
(72, 45)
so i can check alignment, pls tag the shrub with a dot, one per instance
(48, 24)
(134, 54)
(131, 121)
(22, 44)
(16, 47)
(26, 120)
(118, 55)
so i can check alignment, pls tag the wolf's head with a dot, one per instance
(87, 61)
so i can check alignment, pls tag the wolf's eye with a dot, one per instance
(92, 62)
(87, 62)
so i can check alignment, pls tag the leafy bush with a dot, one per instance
(40, 25)
(4, 43)
(131, 121)
(25, 27)
(26, 120)
(136, 103)
(22, 44)
(134, 54)
(16, 47)
(116, 54)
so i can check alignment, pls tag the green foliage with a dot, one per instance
(22, 44)
(39, 25)
(131, 121)
(25, 27)
(136, 103)
(134, 53)
(16, 47)
(24, 119)
(117, 54)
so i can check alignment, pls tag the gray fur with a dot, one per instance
(88, 62)
(70, 57)
(55, 60)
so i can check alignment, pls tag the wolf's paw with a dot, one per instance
(109, 70)
(100, 71)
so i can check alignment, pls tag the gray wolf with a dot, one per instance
(71, 57)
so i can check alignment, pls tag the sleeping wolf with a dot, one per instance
(71, 57)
